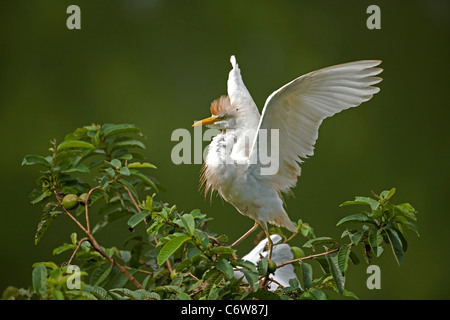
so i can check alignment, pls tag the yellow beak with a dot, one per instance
(207, 121)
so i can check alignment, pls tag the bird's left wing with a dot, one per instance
(297, 109)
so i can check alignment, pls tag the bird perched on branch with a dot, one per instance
(287, 129)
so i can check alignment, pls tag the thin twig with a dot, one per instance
(307, 258)
(88, 225)
(76, 249)
(97, 247)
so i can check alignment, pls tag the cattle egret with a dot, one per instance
(233, 165)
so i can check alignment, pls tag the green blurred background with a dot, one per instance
(158, 64)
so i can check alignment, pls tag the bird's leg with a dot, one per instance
(245, 235)
(269, 243)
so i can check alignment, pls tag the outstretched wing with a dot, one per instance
(298, 108)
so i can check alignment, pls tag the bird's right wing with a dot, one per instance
(297, 110)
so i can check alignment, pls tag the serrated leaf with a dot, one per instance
(225, 267)
(339, 279)
(343, 257)
(170, 247)
(67, 144)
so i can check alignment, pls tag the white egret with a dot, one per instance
(233, 166)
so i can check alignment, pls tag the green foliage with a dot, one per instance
(172, 254)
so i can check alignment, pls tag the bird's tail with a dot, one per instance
(284, 221)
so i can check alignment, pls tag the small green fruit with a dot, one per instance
(271, 266)
(70, 201)
(173, 275)
(297, 252)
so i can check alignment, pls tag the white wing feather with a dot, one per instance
(298, 108)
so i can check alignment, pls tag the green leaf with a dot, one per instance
(128, 144)
(144, 178)
(375, 239)
(387, 194)
(137, 218)
(32, 159)
(407, 210)
(141, 165)
(116, 163)
(251, 277)
(101, 274)
(354, 258)
(263, 295)
(262, 266)
(104, 183)
(225, 267)
(338, 278)
(170, 247)
(67, 144)
(99, 292)
(109, 130)
(139, 294)
(222, 250)
(359, 217)
(39, 279)
(65, 247)
(307, 275)
(46, 220)
(188, 223)
(41, 197)
(396, 244)
(317, 294)
(130, 187)
(343, 257)
(319, 241)
(363, 200)
(124, 171)
(356, 237)
(80, 168)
